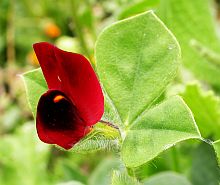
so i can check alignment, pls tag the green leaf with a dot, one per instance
(206, 109)
(167, 178)
(157, 130)
(205, 170)
(136, 59)
(35, 86)
(119, 178)
(192, 22)
(141, 53)
(216, 145)
(102, 174)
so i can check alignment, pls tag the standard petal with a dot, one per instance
(58, 121)
(45, 55)
(80, 83)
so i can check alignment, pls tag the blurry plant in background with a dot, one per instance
(75, 26)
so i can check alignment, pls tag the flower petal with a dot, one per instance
(79, 80)
(65, 139)
(58, 121)
(45, 55)
(73, 74)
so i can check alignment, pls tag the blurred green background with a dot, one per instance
(73, 26)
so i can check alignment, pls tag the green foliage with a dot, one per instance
(119, 178)
(141, 53)
(205, 170)
(35, 86)
(70, 44)
(206, 109)
(102, 174)
(10, 118)
(157, 130)
(137, 7)
(216, 145)
(167, 178)
(193, 25)
(71, 183)
(24, 153)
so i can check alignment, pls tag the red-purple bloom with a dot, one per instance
(74, 101)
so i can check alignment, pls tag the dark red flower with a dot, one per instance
(74, 101)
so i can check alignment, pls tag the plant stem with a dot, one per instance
(109, 124)
(10, 33)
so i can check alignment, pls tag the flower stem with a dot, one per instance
(109, 124)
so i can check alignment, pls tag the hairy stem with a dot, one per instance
(109, 124)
